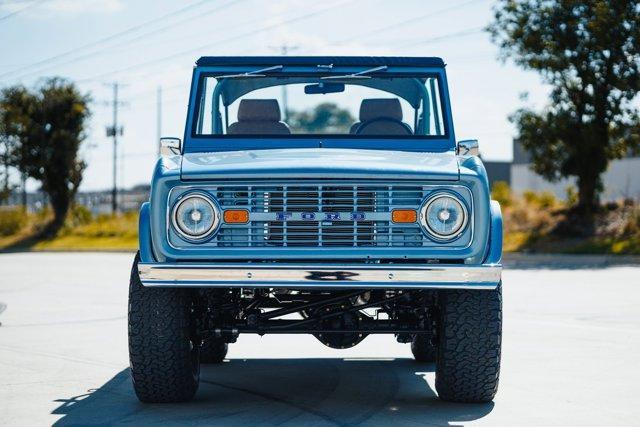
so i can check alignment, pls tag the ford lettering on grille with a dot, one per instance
(316, 216)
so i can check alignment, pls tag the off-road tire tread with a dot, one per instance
(160, 355)
(469, 345)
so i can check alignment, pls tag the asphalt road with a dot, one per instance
(570, 357)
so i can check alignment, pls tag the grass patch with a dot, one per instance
(615, 246)
(531, 220)
(81, 232)
(87, 243)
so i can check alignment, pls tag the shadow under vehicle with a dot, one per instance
(283, 392)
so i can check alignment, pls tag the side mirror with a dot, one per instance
(170, 146)
(468, 147)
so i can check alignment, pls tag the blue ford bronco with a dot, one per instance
(280, 211)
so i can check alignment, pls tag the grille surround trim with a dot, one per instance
(464, 240)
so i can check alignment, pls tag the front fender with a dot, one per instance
(144, 234)
(494, 255)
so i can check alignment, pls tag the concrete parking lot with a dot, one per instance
(571, 352)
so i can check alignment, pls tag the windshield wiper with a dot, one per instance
(254, 73)
(358, 75)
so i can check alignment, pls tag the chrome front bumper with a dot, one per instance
(319, 276)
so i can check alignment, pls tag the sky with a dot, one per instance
(145, 44)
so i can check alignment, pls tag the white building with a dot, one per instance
(621, 180)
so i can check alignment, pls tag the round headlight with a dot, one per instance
(195, 216)
(443, 216)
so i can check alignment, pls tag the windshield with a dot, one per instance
(367, 103)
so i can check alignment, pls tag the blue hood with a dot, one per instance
(320, 163)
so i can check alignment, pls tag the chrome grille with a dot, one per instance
(374, 201)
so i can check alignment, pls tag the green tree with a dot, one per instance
(49, 126)
(12, 121)
(589, 53)
(5, 150)
(324, 118)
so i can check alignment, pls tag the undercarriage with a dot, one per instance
(339, 319)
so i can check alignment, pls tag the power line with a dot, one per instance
(199, 35)
(126, 42)
(226, 40)
(142, 75)
(457, 34)
(408, 21)
(136, 95)
(16, 12)
(404, 43)
(108, 38)
(166, 27)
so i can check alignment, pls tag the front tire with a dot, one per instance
(470, 339)
(163, 352)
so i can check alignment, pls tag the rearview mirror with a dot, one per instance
(323, 88)
(170, 146)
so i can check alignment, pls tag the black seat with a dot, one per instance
(380, 116)
(258, 116)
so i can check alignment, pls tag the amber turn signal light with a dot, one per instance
(236, 216)
(404, 215)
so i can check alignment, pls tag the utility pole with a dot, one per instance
(114, 131)
(114, 191)
(159, 119)
(284, 51)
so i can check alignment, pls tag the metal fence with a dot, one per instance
(98, 202)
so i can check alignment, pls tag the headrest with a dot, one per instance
(256, 110)
(376, 108)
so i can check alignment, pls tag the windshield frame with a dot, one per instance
(194, 142)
